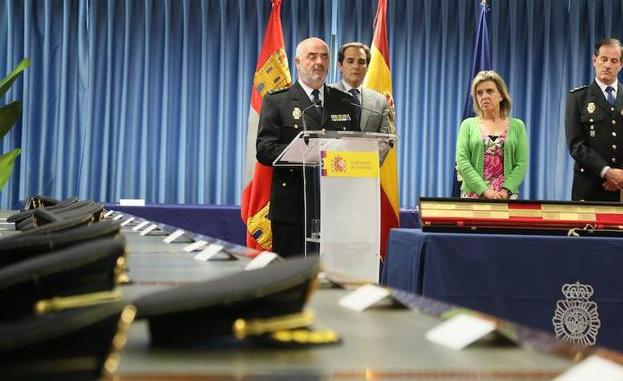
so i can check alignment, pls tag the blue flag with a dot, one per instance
(482, 57)
(482, 61)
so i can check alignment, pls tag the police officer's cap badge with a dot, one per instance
(590, 107)
(296, 113)
(576, 319)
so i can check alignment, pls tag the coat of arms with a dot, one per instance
(338, 164)
(576, 319)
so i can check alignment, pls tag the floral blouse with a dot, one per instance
(493, 171)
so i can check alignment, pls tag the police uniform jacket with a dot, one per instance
(281, 120)
(595, 140)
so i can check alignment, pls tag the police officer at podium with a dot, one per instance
(594, 128)
(307, 104)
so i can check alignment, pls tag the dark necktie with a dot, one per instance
(355, 94)
(316, 100)
(611, 98)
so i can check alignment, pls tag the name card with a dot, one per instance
(149, 229)
(261, 260)
(140, 226)
(460, 331)
(132, 202)
(126, 222)
(194, 246)
(209, 252)
(364, 297)
(173, 236)
(593, 368)
(118, 217)
(108, 213)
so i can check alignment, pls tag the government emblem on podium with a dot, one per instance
(338, 164)
(576, 319)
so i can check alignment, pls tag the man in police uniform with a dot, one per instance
(593, 124)
(307, 104)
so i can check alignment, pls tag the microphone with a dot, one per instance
(347, 101)
(314, 104)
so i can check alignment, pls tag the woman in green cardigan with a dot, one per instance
(492, 148)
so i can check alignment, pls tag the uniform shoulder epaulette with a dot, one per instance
(578, 88)
(277, 91)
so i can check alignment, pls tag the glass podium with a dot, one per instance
(341, 197)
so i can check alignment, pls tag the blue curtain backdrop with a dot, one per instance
(149, 99)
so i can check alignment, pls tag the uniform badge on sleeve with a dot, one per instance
(296, 113)
(590, 107)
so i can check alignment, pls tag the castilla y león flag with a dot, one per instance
(271, 72)
(379, 78)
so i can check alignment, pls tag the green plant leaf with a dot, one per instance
(6, 165)
(6, 83)
(8, 115)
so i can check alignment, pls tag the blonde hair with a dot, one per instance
(491, 75)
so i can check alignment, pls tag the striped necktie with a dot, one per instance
(611, 99)
(355, 94)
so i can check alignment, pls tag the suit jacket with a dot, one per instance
(281, 120)
(372, 100)
(595, 139)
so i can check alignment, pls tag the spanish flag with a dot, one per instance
(271, 72)
(379, 78)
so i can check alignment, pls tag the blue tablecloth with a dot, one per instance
(222, 222)
(517, 277)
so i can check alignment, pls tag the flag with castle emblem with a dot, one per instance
(271, 72)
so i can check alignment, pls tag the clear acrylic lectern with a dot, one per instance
(342, 198)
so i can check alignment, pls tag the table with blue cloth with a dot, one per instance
(217, 221)
(517, 277)
(222, 222)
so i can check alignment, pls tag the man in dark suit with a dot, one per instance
(594, 128)
(285, 113)
(353, 59)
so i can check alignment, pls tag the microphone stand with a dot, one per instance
(306, 141)
(390, 142)
(314, 104)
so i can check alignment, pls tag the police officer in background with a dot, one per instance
(308, 104)
(594, 128)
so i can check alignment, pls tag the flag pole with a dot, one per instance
(333, 43)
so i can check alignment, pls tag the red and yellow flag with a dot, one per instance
(379, 78)
(271, 72)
